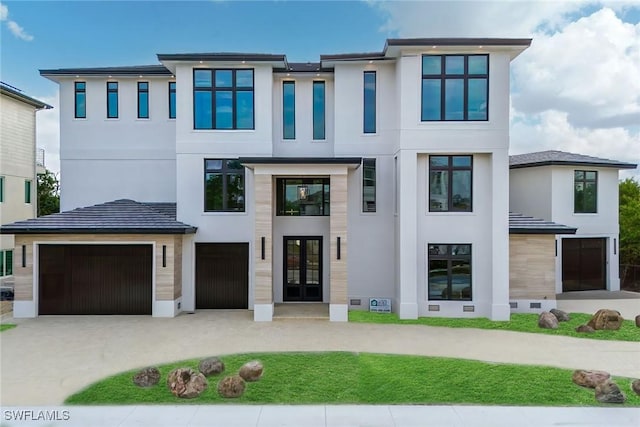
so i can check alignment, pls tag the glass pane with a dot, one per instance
(431, 99)
(438, 250)
(438, 191)
(143, 86)
(368, 185)
(9, 266)
(2, 273)
(80, 86)
(461, 190)
(326, 207)
(313, 262)
(143, 105)
(213, 192)
(235, 192)
(293, 262)
(590, 175)
(81, 110)
(289, 110)
(431, 64)
(235, 164)
(224, 78)
(244, 110)
(369, 102)
(214, 165)
(461, 161)
(454, 64)
(590, 197)
(477, 103)
(439, 161)
(318, 110)
(172, 105)
(454, 99)
(438, 279)
(224, 111)
(112, 104)
(478, 65)
(460, 280)
(460, 249)
(244, 78)
(112, 85)
(202, 78)
(202, 113)
(579, 175)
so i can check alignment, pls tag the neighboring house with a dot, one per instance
(18, 166)
(581, 191)
(231, 180)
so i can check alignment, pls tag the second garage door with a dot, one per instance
(583, 264)
(222, 275)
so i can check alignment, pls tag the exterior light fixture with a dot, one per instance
(303, 192)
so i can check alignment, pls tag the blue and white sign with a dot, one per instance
(380, 305)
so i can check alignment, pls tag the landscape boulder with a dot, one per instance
(186, 383)
(231, 387)
(547, 320)
(585, 329)
(560, 315)
(589, 378)
(147, 377)
(609, 392)
(211, 366)
(605, 319)
(638, 320)
(635, 386)
(251, 371)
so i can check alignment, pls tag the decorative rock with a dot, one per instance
(560, 315)
(585, 329)
(251, 371)
(186, 383)
(638, 320)
(606, 320)
(147, 377)
(589, 378)
(609, 392)
(547, 320)
(635, 386)
(231, 387)
(211, 366)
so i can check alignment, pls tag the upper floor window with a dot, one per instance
(455, 87)
(450, 183)
(368, 185)
(172, 100)
(143, 100)
(112, 100)
(585, 191)
(27, 191)
(369, 102)
(289, 110)
(318, 110)
(223, 185)
(1, 189)
(223, 99)
(302, 196)
(449, 272)
(80, 100)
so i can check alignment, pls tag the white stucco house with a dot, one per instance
(233, 180)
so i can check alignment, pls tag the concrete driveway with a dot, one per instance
(46, 359)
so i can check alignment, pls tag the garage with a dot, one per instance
(583, 264)
(222, 275)
(95, 279)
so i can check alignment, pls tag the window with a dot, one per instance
(455, 87)
(369, 102)
(318, 110)
(1, 189)
(223, 186)
(585, 192)
(6, 263)
(27, 191)
(172, 100)
(449, 272)
(368, 185)
(112, 100)
(80, 89)
(289, 110)
(302, 196)
(143, 100)
(450, 183)
(223, 99)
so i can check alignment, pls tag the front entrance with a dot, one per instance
(303, 268)
(583, 264)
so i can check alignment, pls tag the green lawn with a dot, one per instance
(358, 378)
(518, 323)
(6, 326)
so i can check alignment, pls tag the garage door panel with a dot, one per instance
(222, 275)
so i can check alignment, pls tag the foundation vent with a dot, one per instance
(355, 302)
(468, 308)
(513, 304)
(535, 305)
(434, 307)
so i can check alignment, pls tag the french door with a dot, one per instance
(302, 268)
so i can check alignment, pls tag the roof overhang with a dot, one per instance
(137, 71)
(514, 47)
(619, 165)
(26, 230)
(172, 60)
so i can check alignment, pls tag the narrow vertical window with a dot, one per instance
(27, 191)
(8, 269)
(585, 192)
(318, 110)
(172, 100)
(143, 100)
(1, 189)
(289, 110)
(369, 102)
(368, 185)
(80, 89)
(112, 100)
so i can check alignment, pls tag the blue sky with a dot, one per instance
(576, 89)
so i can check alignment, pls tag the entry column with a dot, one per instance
(338, 307)
(263, 250)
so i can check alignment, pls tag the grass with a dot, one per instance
(6, 326)
(520, 322)
(359, 378)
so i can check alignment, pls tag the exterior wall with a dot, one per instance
(532, 267)
(530, 191)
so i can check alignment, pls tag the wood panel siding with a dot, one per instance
(263, 191)
(338, 228)
(532, 266)
(222, 275)
(177, 267)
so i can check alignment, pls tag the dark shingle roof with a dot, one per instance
(521, 224)
(17, 94)
(116, 217)
(554, 157)
(134, 70)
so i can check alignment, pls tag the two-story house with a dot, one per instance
(232, 180)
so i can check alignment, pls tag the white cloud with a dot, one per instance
(13, 26)
(48, 131)
(4, 12)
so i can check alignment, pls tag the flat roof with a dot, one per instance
(302, 160)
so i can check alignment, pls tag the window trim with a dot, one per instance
(449, 258)
(224, 171)
(109, 90)
(450, 168)
(284, 135)
(584, 181)
(324, 109)
(172, 111)
(140, 92)
(76, 91)
(375, 184)
(28, 189)
(364, 102)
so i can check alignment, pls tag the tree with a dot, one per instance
(630, 221)
(48, 193)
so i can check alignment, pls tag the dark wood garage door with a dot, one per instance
(222, 275)
(583, 264)
(95, 279)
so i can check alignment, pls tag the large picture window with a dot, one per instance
(450, 272)
(368, 185)
(455, 87)
(80, 99)
(302, 196)
(585, 192)
(223, 99)
(223, 186)
(450, 183)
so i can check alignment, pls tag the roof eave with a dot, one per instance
(572, 163)
(39, 105)
(21, 231)
(525, 230)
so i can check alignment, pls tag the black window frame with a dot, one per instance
(141, 91)
(225, 171)
(368, 163)
(284, 135)
(449, 257)
(172, 105)
(364, 102)
(281, 196)
(213, 89)
(443, 77)
(450, 168)
(1, 189)
(111, 90)
(77, 91)
(28, 190)
(583, 209)
(324, 110)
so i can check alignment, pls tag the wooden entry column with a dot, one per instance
(263, 294)
(338, 307)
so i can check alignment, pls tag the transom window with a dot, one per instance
(302, 196)
(585, 194)
(450, 272)
(223, 185)
(223, 99)
(455, 87)
(450, 183)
